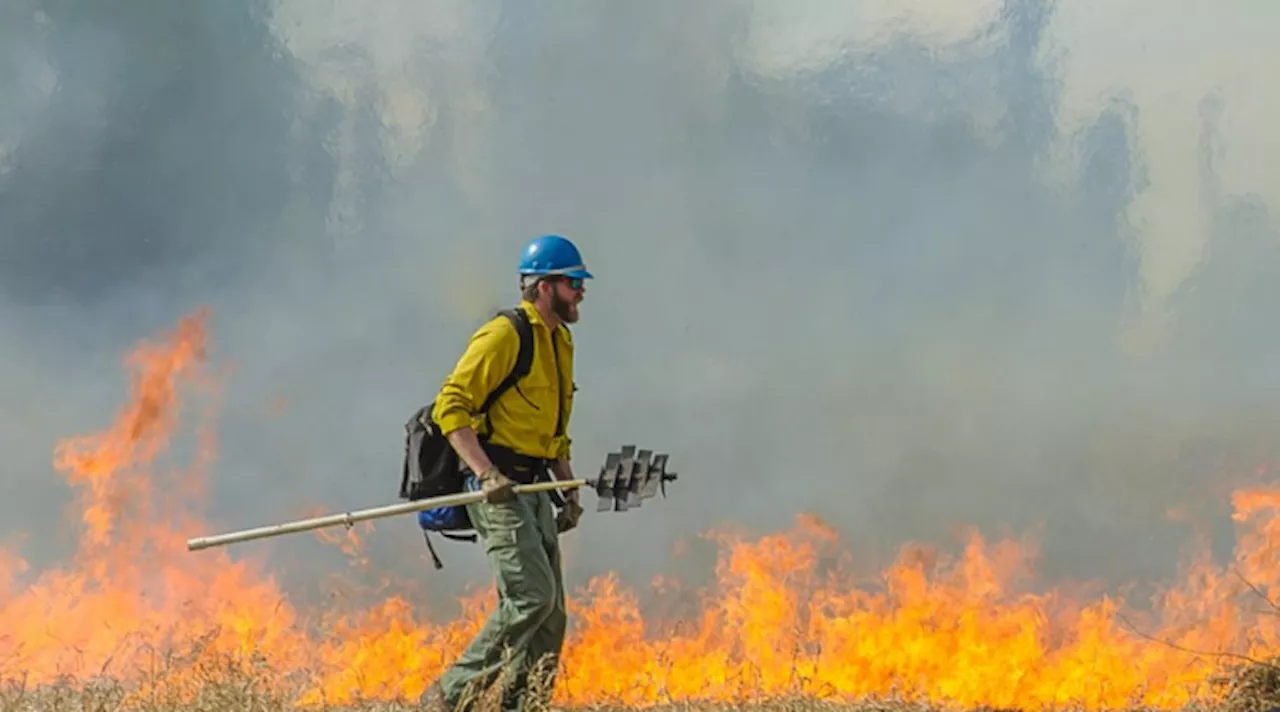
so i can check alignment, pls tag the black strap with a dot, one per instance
(434, 558)
(524, 361)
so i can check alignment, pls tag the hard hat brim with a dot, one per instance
(573, 272)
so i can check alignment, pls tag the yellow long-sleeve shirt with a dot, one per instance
(524, 418)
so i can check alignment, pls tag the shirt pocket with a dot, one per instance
(539, 384)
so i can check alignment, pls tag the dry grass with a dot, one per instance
(250, 687)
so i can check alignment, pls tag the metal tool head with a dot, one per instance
(629, 477)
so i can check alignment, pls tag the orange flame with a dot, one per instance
(788, 613)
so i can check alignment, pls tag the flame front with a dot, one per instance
(787, 615)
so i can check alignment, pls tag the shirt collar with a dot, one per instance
(535, 317)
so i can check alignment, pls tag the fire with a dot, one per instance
(789, 613)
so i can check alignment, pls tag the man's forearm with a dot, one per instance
(564, 471)
(467, 445)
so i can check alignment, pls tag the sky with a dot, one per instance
(1002, 264)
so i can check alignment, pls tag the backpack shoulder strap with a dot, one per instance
(524, 359)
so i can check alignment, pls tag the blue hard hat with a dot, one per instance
(552, 255)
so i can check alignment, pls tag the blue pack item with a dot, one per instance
(432, 467)
(446, 520)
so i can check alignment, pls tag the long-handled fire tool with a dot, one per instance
(626, 479)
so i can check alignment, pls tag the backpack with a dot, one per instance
(431, 465)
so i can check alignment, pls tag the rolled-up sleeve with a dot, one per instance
(488, 358)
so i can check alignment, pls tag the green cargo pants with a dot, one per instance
(523, 547)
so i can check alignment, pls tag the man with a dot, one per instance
(523, 438)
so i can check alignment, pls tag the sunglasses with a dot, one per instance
(573, 282)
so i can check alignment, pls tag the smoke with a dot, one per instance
(1004, 265)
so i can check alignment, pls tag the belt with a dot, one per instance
(522, 469)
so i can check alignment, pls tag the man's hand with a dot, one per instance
(567, 517)
(497, 487)
(564, 471)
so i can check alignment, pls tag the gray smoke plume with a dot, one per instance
(908, 272)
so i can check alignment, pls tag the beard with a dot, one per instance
(565, 309)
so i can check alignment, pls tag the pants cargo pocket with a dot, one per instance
(511, 541)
